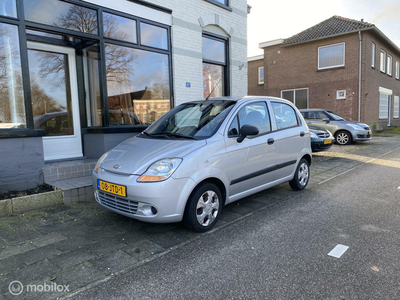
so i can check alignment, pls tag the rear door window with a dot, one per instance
(285, 115)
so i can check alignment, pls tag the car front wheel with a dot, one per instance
(343, 138)
(203, 208)
(301, 176)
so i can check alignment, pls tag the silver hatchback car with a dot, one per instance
(203, 155)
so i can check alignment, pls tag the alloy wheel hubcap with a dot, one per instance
(342, 138)
(303, 174)
(207, 208)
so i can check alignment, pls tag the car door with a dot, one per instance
(291, 138)
(251, 163)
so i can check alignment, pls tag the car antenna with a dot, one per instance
(213, 89)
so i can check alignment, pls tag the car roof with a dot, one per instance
(314, 109)
(238, 98)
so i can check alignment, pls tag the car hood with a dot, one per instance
(135, 155)
(365, 126)
(317, 128)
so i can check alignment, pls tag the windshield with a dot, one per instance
(335, 116)
(194, 120)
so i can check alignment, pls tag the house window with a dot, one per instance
(389, 64)
(12, 108)
(8, 8)
(214, 66)
(299, 97)
(396, 107)
(384, 96)
(260, 75)
(373, 55)
(331, 56)
(397, 69)
(383, 61)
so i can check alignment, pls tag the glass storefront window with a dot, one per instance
(12, 108)
(137, 84)
(119, 28)
(153, 36)
(8, 8)
(92, 85)
(61, 14)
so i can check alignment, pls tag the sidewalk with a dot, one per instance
(65, 249)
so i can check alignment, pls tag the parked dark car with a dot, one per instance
(321, 139)
(343, 130)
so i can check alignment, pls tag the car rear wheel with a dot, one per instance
(301, 176)
(343, 138)
(203, 208)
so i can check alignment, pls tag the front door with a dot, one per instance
(55, 106)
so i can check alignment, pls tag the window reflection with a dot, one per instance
(213, 50)
(153, 36)
(137, 84)
(92, 85)
(8, 8)
(119, 28)
(51, 96)
(12, 108)
(213, 81)
(61, 14)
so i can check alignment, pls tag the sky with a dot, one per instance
(270, 20)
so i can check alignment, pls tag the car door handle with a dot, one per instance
(270, 141)
(302, 133)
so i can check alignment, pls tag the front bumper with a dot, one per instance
(319, 145)
(156, 202)
(361, 135)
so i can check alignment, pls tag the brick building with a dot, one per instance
(341, 64)
(77, 81)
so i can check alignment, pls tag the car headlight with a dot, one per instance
(356, 127)
(100, 161)
(313, 135)
(160, 170)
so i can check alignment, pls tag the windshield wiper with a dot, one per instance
(170, 134)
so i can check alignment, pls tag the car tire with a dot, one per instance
(343, 137)
(301, 176)
(203, 208)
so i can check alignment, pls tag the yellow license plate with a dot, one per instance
(111, 188)
(370, 132)
(327, 141)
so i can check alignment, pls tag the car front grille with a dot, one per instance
(363, 136)
(118, 203)
(323, 135)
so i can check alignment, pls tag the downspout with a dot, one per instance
(359, 78)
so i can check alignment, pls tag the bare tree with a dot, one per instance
(80, 19)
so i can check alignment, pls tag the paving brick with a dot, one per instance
(72, 258)
(79, 276)
(48, 239)
(113, 262)
(144, 249)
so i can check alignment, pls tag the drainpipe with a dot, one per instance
(359, 79)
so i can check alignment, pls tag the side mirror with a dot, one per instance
(326, 120)
(245, 131)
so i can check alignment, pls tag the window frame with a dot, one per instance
(334, 66)
(396, 113)
(294, 95)
(261, 80)
(299, 123)
(224, 5)
(382, 61)
(226, 78)
(397, 70)
(389, 65)
(373, 50)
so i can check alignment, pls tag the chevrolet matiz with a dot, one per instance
(202, 155)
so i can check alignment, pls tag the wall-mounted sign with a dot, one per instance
(188, 84)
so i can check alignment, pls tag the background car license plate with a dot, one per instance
(327, 141)
(111, 188)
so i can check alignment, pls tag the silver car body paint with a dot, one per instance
(216, 158)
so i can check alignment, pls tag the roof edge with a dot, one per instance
(256, 57)
(270, 43)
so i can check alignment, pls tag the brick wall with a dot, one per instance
(253, 87)
(189, 20)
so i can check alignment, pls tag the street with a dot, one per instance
(280, 252)
(272, 245)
